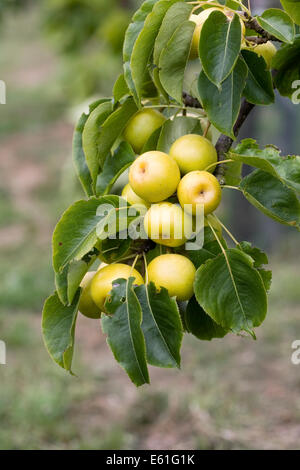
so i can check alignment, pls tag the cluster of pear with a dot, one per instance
(266, 50)
(170, 187)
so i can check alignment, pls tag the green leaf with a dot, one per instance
(277, 23)
(211, 249)
(292, 7)
(81, 167)
(75, 234)
(117, 219)
(113, 127)
(144, 44)
(152, 142)
(58, 328)
(233, 4)
(114, 166)
(113, 250)
(259, 257)
(272, 197)
(158, 85)
(233, 173)
(76, 273)
(286, 169)
(124, 332)
(172, 129)
(161, 326)
(199, 257)
(68, 280)
(91, 134)
(231, 291)
(173, 60)
(222, 107)
(224, 40)
(201, 325)
(259, 85)
(266, 278)
(286, 62)
(131, 36)
(61, 285)
(120, 89)
(175, 16)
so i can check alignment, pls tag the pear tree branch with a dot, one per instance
(190, 102)
(224, 142)
(253, 24)
(257, 39)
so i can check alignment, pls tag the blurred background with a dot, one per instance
(231, 394)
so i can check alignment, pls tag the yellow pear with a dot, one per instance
(193, 152)
(141, 126)
(267, 51)
(167, 224)
(103, 280)
(199, 187)
(174, 272)
(154, 176)
(87, 306)
(133, 198)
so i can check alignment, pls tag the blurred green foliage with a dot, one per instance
(89, 35)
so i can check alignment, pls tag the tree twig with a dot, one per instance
(224, 142)
(253, 24)
(257, 39)
(190, 102)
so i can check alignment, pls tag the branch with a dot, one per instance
(257, 39)
(253, 24)
(190, 102)
(224, 142)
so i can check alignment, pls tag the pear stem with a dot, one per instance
(217, 238)
(126, 259)
(230, 187)
(146, 268)
(218, 163)
(207, 129)
(226, 229)
(180, 108)
(134, 263)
